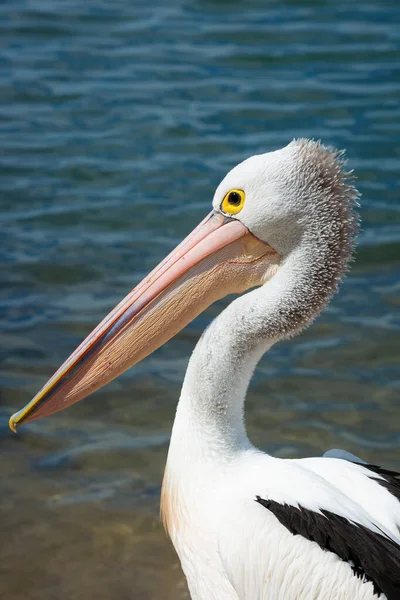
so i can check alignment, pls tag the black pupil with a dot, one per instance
(234, 198)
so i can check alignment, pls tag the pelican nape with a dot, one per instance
(247, 525)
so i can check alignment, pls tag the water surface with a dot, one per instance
(118, 120)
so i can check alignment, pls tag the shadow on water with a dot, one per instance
(117, 122)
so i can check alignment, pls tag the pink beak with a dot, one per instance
(218, 258)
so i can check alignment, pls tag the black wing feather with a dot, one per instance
(391, 479)
(373, 556)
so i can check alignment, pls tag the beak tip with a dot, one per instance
(13, 422)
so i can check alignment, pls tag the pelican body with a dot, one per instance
(246, 525)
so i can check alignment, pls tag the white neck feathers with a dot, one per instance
(209, 426)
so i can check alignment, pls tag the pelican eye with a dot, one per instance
(233, 202)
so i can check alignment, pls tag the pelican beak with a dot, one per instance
(219, 257)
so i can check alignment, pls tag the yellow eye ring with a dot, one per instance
(233, 202)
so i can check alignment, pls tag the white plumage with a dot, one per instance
(229, 546)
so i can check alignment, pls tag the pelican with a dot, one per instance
(247, 525)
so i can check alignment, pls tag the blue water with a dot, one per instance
(117, 121)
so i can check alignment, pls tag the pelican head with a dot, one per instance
(292, 206)
(300, 191)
